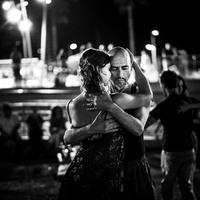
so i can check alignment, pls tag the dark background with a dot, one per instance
(100, 22)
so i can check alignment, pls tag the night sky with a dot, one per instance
(100, 22)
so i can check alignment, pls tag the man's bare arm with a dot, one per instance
(98, 126)
(140, 78)
(129, 122)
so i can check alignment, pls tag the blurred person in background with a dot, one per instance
(178, 159)
(9, 125)
(169, 56)
(16, 57)
(195, 107)
(61, 59)
(34, 122)
(57, 129)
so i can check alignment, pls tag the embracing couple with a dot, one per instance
(107, 120)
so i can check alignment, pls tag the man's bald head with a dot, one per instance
(119, 55)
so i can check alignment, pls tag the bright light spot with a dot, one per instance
(101, 47)
(73, 46)
(155, 32)
(14, 15)
(150, 47)
(45, 1)
(110, 46)
(66, 151)
(22, 72)
(6, 5)
(33, 83)
(37, 72)
(20, 91)
(7, 82)
(194, 57)
(72, 81)
(25, 25)
(48, 1)
(25, 3)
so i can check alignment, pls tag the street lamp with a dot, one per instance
(26, 21)
(6, 5)
(153, 35)
(14, 15)
(44, 30)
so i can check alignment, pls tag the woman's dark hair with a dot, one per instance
(90, 65)
(169, 78)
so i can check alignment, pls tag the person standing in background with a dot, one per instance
(178, 159)
(9, 125)
(62, 58)
(169, 56)
(34, 122)
(57, 128)
(16, 57)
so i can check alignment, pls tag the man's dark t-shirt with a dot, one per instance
(177, 127)
(134, 145)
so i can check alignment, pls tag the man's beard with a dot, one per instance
(119, 85)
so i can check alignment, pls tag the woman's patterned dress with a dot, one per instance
(96, 173)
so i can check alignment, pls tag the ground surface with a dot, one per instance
(37, 180)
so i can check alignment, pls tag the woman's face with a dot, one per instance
(106, 74)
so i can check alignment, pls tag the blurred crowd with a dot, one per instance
(24, 138)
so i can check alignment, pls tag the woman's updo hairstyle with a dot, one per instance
(90, 65)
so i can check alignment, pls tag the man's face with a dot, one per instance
(120, 69)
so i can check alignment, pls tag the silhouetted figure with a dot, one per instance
(178, 157)
(9, 124)
(62, 58)
(57, 129)
(34, 122)
(183, 62)
(195, 107)
(169, 56)
(16, 57)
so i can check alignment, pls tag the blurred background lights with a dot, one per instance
(6, 5)
(45, 1)
(150, 47)
(155, 32)
(110, 46)
(25, 3)
(25, 25)
(101, 47)
(73, 46)
(14, 15)
(48, 1)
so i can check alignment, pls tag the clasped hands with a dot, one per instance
(98, 101)
(102, 123)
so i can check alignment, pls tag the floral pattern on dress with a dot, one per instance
(96, 173)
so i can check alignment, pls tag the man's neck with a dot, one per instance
(117, 89)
